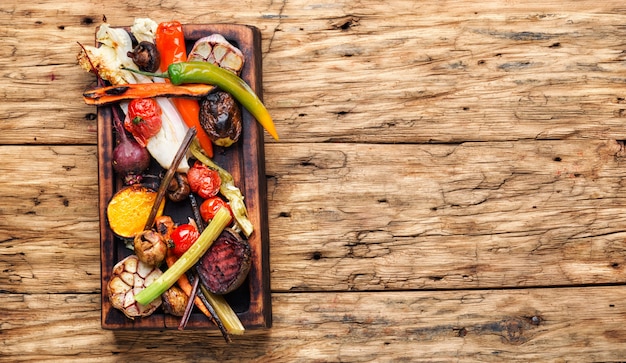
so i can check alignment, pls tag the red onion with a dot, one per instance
(129, 158)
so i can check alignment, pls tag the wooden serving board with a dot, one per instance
(245, 160)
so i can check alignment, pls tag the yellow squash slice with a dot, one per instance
(130, 208)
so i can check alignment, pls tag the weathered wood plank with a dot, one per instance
(433, 71)
(446, 216)
(568, 324)
(49, 219)
(361, 217)
(516, 209)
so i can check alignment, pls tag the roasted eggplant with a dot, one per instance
(220, 117)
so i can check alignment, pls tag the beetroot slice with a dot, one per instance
(224, 267)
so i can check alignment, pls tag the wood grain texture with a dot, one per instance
(537, 70)
(489, 326)
(448, 185)
(446, 216)
(523, 214)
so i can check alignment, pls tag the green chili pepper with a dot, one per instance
(207, 73)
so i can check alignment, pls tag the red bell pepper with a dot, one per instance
(170, 42)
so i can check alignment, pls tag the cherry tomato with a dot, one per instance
(203, 180)
(144, 119)
(183, 237)
(209, 207)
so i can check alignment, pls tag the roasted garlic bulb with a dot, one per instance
(128, 278)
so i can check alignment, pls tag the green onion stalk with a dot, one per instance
(187, 260)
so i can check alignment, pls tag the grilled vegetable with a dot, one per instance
(187, 260)
(110, 61)
(170, 40)
(226, 315)
(203, 180)
(130, 276)
(229, 190)
(179, 189)
(175, 301)
(203, 72)
(128, 210)
(143, 120)
(209, 207)
(217, 50)
(146, 56)
(165, 226)
(182, 238)
(129, 158)
(150, 247)
(112, 94)
(220, 118)
(224, 267)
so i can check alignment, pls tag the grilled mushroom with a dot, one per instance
(146, 56)
(179, 189)
(150, 247)
(175, 301)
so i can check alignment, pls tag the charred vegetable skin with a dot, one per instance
(129, 277)
(146, 56)
(226, 264)
(150, 247)
(179, 189)
(143, 120)
(170, 40)
(112, 94)
(220, 118)
(203, 72)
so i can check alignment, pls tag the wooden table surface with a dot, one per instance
(448, 185)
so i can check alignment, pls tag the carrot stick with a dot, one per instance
(190, 111)
(111, 94)
(170, 42)
(185, 285)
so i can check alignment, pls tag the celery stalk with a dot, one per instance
(187, 260)
(225, 313)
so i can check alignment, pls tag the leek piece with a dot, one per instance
(227, 188)
(187, 260)
(224, 312)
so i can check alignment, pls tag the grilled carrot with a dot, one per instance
(111, 94)
(185, 285)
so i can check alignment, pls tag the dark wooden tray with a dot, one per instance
(244, 160)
